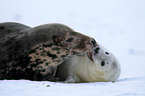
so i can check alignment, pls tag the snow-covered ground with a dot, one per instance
(124, 87)
(119, 25)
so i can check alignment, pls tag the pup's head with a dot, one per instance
(105, 63)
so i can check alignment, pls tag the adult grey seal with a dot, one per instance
(35, 53)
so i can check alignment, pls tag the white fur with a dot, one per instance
(82, 69)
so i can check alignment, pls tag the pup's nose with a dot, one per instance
(97, 49)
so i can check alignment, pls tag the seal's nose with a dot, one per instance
(97, 49)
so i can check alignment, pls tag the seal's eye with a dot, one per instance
(93, 41)
(70, 39)
(102, 63)
(107, 53)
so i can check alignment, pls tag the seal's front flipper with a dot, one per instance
(72, 79)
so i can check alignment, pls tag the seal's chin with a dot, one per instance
(89, 54)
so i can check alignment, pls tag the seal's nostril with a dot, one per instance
(97, 50)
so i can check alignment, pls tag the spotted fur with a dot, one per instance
(35, 53)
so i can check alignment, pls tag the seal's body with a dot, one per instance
(96, 66)
(35, 53)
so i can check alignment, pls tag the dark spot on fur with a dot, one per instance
(51, 55)
(40, 49)
(43, 54)
(44, 60)
(63, 56)
(37, 47)
(47, 45)
(47, 63)
(56, 48)
(70, 39)
(43, 51)
(58, 61)
(102, 63)
(43, 70)
(39, 67)
(40, 62)
(37, 60)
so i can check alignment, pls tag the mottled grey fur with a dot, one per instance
(34, 53)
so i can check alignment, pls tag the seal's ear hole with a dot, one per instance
(102, 63)
(107, 53)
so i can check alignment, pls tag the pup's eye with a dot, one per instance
(107, 53)
(93, 41)
(102, 63)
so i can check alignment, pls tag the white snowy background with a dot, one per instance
(119, 25)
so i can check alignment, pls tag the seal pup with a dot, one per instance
(35, 53)
(100, 65)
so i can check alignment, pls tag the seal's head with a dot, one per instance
(105, 63)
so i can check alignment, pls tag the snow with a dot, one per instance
(119, 25)
(123, 87)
